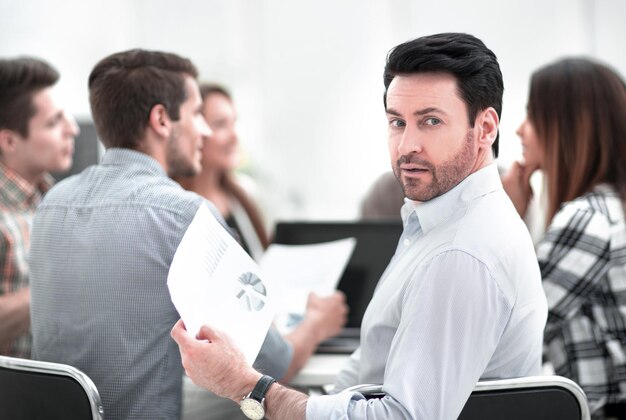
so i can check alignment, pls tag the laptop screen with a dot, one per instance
(376, 244)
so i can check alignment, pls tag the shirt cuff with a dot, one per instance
(334, 407)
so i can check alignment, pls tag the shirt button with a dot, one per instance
(407, 242)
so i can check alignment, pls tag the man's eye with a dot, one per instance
(54, 121)
(218, 125)
(397, 123)
(432, 121)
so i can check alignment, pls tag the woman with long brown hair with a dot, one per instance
(575, 132)
(217, 181)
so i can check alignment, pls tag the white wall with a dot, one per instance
(306, 75)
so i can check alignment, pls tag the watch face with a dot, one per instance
(252, 409)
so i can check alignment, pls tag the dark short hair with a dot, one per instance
(464, 56)
(124, 87)
(208, 89)
(20, 79)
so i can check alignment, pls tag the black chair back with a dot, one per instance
(34, 390)
(534, 397)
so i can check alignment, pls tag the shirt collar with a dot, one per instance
(438, 210)
(19, 191)
(121, 156)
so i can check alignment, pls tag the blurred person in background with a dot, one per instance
(384, 199)
(575, 132)
(217, 181)
(36, 137)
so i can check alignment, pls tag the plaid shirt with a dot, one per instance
(583, 265)
(18, 200)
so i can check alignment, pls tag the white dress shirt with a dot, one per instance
(460, 301)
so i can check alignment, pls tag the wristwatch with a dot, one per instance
(253, 405)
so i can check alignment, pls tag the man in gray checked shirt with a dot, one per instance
(103, 241)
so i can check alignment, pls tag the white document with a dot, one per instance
(297, 270)
(213, 281)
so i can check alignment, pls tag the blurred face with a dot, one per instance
(184, 148)
(49, 146)
(221, 151)
(531, 150)
(431, 144)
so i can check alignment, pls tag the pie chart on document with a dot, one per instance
(251, 292)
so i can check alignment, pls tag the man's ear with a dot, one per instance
(8, 140)
(488, 122)
(160, 121)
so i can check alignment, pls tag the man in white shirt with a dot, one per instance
(461, 299)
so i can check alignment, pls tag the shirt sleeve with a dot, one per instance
(220, 219)
(572, 255)
(452, 317)
(275, 355)
(349, 375)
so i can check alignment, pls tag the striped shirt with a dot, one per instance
(18, 200)
(583, 265)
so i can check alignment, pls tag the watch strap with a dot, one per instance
(261, 387)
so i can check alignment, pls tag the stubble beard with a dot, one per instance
(178, 164)
(444, 176)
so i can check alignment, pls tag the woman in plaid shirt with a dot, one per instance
(575, 131)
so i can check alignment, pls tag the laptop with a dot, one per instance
(376, 244)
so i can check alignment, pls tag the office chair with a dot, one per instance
(535, 397)
(31, 389)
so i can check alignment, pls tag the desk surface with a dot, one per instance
(321, 369)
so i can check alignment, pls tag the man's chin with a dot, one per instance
(196, 169)
(412, 194)
(61, 167)
(412, 187)
(418, 194)
(187, 172)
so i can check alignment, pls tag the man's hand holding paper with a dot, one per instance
(213, 282)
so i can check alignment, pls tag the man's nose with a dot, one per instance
(411, 142)
(71, 126)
